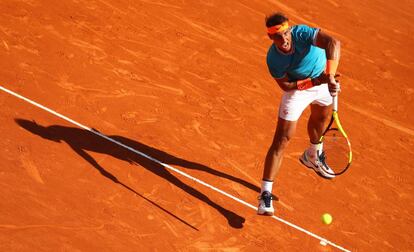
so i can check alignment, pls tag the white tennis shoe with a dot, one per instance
(265, 204)
(320, 167)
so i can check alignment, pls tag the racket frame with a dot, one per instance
(335, 118)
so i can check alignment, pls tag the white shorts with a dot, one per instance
(294, 102)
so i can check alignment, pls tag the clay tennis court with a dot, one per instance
(186, 83)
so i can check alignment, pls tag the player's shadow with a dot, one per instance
(81, 141)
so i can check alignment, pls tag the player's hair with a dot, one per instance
(275, 19)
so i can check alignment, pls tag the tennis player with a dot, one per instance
(303, 61)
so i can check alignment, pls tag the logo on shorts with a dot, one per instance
(285, 112)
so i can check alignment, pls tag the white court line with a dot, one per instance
(170, 167)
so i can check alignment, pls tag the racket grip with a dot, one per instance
(335, 103)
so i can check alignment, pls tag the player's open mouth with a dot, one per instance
(286, 46)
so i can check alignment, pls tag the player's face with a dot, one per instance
(282, 40)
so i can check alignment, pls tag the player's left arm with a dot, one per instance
(332, 48)
(331, 45)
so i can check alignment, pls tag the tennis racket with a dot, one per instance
(334, 150)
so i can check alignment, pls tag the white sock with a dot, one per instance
(312, 150)
(266, 186)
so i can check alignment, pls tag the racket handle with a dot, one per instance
(335, 103)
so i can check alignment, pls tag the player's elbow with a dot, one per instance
(335, 43)
(284, 88)
(284, 85)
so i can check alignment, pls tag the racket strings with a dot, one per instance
(335, 152)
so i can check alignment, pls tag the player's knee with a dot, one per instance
(285, 139)
(325, 117)
(281, 143)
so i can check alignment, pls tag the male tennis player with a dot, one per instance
(303, 61)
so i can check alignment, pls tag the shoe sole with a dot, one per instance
(266, 213)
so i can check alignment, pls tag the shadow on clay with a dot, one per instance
(81, 141)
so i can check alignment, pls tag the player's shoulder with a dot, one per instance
(302, 28)
(304, 33)
(272, 56)
(272, 52)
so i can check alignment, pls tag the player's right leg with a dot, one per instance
(284, 132)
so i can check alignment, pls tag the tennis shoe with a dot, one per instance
(318, 165)
(265, 204)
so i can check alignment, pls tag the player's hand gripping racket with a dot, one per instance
(334, 146)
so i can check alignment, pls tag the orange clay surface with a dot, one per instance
(186, 83)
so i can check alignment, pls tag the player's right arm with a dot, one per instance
(285, 84)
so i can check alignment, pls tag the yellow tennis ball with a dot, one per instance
(326, 218)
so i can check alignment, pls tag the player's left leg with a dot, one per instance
(320, 114)
(317, 121)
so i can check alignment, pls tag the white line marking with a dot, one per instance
(170, 167)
